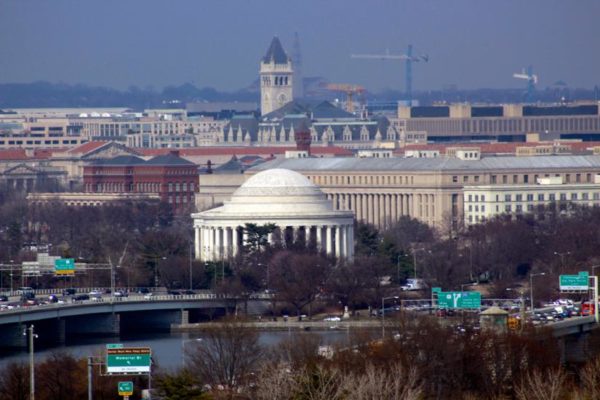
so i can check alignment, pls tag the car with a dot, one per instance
(81, 297)
(69, 292)
(53, 298)
(174, 292)
(120, 293)
(3, 297)
(332, 318)
(188, 292)
(148, 296)
(143, 290)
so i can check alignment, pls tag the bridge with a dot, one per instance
(57, 322)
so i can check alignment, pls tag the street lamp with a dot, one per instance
(29, 332)
(531, 288)
(562, 257)
(414, 253)
(398, 266)
(156, 271)
(383, 299)
(183, 343)
(594, 268)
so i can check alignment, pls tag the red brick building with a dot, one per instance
(173, 178)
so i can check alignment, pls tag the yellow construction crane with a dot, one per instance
(349, 89)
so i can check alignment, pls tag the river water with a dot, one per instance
(167, 349)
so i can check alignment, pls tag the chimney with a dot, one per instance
(303, 137)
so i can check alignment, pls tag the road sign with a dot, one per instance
(64, 266)
(128, 360)
(125, 388)
(459, 300)
(574, 282)
(437, 290)
(114, 346)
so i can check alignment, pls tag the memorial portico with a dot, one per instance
(287, 199)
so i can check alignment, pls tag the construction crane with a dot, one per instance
(408, 58)
(532, 80)
(350, 91)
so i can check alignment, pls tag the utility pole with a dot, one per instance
(90, 369)
(29, 332)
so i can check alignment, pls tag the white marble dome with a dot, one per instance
(278, 191)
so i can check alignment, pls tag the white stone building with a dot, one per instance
(282, 197)
(276, 78)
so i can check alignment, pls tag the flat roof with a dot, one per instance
(434, 164)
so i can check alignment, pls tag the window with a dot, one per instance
(585, 196)
(577, 178)
(563, 196)
(573, 196)
(476, 178)
(507, 197)
(529, 197)
(515, 178)
(470, 207)
(519, 197)
(476, 208)
(466, 178)
(596, 196)
(482, 208)
(529, 207)
(540, 196)
(476, 197)
(170, 187)
(454, 179)
(504, 179)
(568, 178)
(482, 197)
(519, 208)
(552, 197)
(588, 178)
(525, 178)
(507, 208)
(470, 197)
(493, 179)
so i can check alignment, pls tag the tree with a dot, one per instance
(226, 356)
(182, 385)
(298, 277)
(14, 382)
(367, 239)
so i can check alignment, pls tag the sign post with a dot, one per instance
(128, 360)
(125, 389)
(459, 300)
(64, 266)
(574, 283)
(435, 291)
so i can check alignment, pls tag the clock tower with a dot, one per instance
(276, 75)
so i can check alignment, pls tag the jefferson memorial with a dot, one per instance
(298, 208)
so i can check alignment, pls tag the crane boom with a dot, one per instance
(408, 58)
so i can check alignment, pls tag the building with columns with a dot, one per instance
(297, 207)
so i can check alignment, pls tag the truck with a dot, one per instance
(413, 284)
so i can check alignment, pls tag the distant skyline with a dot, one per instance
(218, 43)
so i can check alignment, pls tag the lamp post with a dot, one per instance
(383, 299)
(183, 343)
(593, 267)
(531, 288)
(29, 332)
(562, 258)
(414, 253)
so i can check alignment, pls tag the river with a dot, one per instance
(166, 348)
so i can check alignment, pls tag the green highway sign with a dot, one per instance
(64, 266)
(125, 388)
(127, 360)
(459, 300)
(114, 345)
(437, 290)
(574, 282)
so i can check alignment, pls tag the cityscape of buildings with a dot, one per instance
(323, 181)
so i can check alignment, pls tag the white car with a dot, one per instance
(332, 319)
(148, 296)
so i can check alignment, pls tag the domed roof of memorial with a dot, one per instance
(278, 182)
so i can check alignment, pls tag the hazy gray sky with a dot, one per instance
(218, 43)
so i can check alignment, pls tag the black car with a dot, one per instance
(69, 292)
(143, 290)
(174, 292)
(82, 297)
(3, 297)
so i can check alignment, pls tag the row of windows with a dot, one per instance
(183, 187)
(362, 180)
(179, 199)
(538, 196)
(515, 179)
(26, 142)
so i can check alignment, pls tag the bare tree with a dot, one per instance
(375, 383)
(540, 385)
(226, 355)
(14, 382)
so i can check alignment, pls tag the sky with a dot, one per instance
(219, 43)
